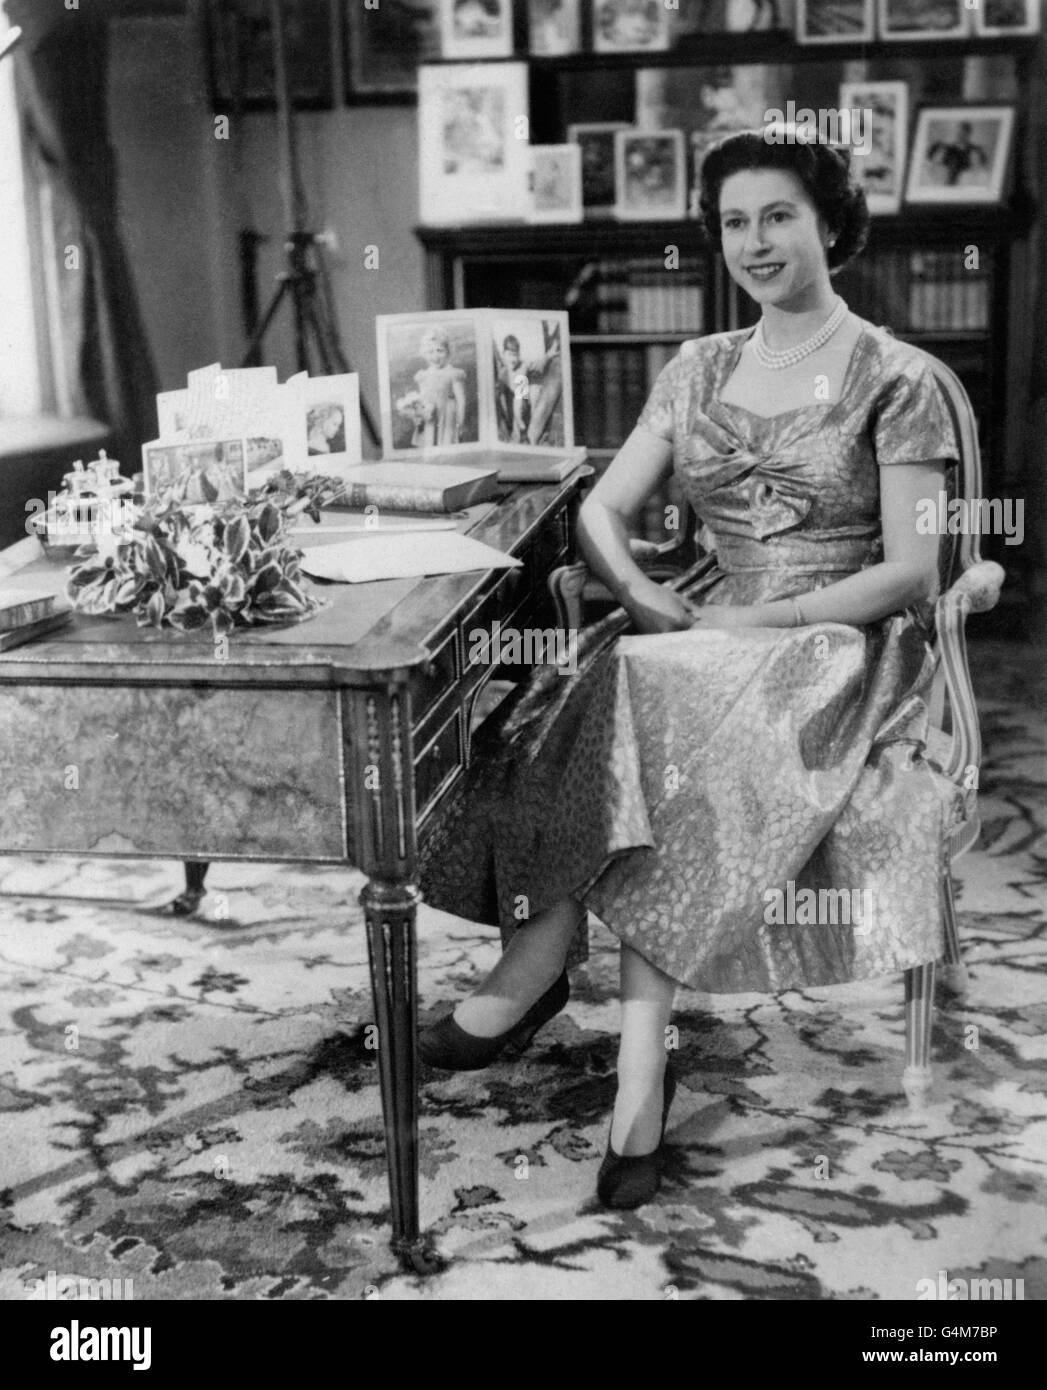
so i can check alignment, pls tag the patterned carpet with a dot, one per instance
(190, 1105)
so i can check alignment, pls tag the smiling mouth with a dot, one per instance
(765, 271)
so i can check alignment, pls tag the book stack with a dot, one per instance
(944, 295)
(641, 296)
(25, 615)
(611, 389)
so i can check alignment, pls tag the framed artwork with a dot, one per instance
(476, 28)
(555, 184)
(630, 26)
(835, 21)
(330, 420)
(531, 388)
(702, 142)
(472, 139)
(752, 16)
(384, 47)
(553, 27)
(878, 161)
(919, 19)
(960, 154)
(650, 175)
(199, 471)
(596, 142)
(1002, 18)
(430, 383)
(240, 54)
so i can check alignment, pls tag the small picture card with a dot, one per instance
(196, 470)
(630, 26)
(554, 27)
(596, 141)
(836, 21)
(556, 183)
(476, 28)
(329, 409)
(1004, 18)
(917, 19)
(878, 160)
(650, 175)
(960, 154)
(531, 357)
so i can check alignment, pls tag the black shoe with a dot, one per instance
(449, 1046)
(626, 1181)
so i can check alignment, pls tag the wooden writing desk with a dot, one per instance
(293, 747)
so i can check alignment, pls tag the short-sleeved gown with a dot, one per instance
(689, 787)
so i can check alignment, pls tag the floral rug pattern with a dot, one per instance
(191, 1105)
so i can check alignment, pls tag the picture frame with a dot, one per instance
(531, 399)
(595, 139)
(555, 184)
(881, 171)
(960, 154)
(238, 39)
(1006, 18)
(383, 49)
(554, 27)
(199, 467)
(630, 26)
(756, 16)
(329, 411)
(835, 21)
(472, 157)
(904, 20)
(650, 175)
(476, 28)
(433, 385)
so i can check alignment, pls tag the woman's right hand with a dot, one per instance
(655, 608)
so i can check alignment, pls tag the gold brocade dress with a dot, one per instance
(699, 790)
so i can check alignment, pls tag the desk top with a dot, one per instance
(407, 614)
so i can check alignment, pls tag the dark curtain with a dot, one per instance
(1034, 481)
(64, 63)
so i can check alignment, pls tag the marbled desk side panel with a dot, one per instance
(188, 772)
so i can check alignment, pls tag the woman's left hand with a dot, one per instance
(724, 615)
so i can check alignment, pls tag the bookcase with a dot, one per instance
(629, 313)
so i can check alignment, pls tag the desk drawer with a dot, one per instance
(438, 762)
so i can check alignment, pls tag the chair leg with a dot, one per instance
(919, 1007)
(954, 972)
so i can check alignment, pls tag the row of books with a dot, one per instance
(944, 294)
(25, 614)
(641, 296)
(611, 386)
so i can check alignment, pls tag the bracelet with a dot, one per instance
(801, 621)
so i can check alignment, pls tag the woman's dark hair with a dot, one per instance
(823, 169)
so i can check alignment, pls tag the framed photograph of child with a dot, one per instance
(472, 138)
(596, 142)
(878, 161)
(433, 396)
(960, 154)
(650, 175)
(630, 26)
(1002, 18)
(384, 47)
(239, 39)
(556, 184)
(476, 28)
(835, 21)
(533, 407)
(197, 471)
(330, 419)
(917, 19)
(553, 27)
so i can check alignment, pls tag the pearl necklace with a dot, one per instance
(778, 361)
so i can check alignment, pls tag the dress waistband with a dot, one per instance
(798, 555)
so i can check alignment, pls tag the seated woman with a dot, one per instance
(755, 739)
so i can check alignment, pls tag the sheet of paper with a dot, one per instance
(364, 559)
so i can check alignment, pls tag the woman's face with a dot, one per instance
(773, 237)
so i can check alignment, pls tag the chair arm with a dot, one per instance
(976, 591)
(571, 584)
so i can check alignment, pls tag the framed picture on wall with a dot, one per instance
(878, 161)
(960, 154)
(834, 21)
(555, 180)
(1002, 18)
(916, 19)
(239, 40)
(476, 28)
(650, 175)
(596, 141)
(384, 47)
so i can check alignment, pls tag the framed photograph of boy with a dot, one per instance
(878, 162)
(533, 407)
(556, 184)
(835, 21)
(472, 156)
(330, 411)
(553, 27)
(596, 141)
(241, 60)
(960, 154)
(429, 382)
(918, 19)
(1002, 18)
(650, 175)
(197, 471)
(630, 26)
(476, 28)
(384, 47)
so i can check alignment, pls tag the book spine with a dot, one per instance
(31, 611)
(400, 499)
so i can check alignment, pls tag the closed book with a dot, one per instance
(21, 606)
(417, 487)
(550, 466)
(14, 637)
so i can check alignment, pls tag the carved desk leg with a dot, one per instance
(380, 745)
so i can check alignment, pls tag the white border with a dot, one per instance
(572, 211)
(346, 389)
(501, 46)
(1031, 25)
(658, 45)
(882, 204)
(678, 210)
(484, 387)
(904, 35)
(868, 29)
(573, 43)
(601, 128)
(1005, 115)
(561, 317)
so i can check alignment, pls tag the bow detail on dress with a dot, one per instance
(777, 500)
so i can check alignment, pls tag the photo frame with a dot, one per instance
(650, 175)
(555, 182)
(532, 404)
(835, 21)
(1005, 18)
(630, 26)
(476, 28)
(554, 27)
(902, 20)
(384, 48)
(238, 38)
(329, 410)
(881, 171)
(472, 166)
(960, 154)
(595, 139)
(203, 470)
(433, 384)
